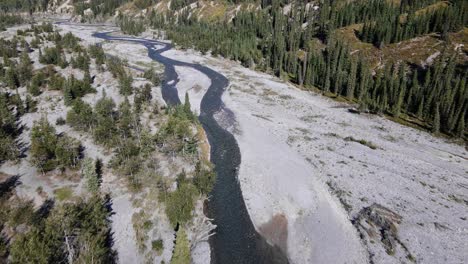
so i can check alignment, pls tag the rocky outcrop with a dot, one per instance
(61, 7)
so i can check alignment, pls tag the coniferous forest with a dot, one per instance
(269, 39)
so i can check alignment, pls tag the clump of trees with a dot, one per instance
(81, 61)
(180, 204)
(13, 73)
(99, 7)
(24, 5)
(8, 20)
(50, 150)
(204, 178)
(75, 89)
(51, 55)
(81, 116)
(176, 135)
(142, 96)
(96, 52)
(116, 67)
(9, 130)
(151, 75)
(74, 232)
(130, 26)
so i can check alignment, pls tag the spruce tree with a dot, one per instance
(187, 106)
(351, 80)
(89, 173)
(11, 78)
(436, 122)
(182, 248)
(25, 68)
(460, 131)
(420, 113)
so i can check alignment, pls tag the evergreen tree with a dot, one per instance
(436, 122)
(67, 152)
(25, 68)
(125, 119)
(90, 174)
(187, 106)
(125, 84)
(182, 248)
(419, 113)
(12, 78)
(43, 144)
(460, 132)
(351, 80)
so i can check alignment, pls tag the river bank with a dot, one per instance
(299, 147)
(309, 167)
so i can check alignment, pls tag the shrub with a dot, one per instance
(63, 194)
(151, 75)
(60, 121)
(362, 142)
(157, 245)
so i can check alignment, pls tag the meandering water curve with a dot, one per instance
(236, 240)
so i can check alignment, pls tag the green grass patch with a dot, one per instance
(362, 142)
(158, 246)
(63, 194)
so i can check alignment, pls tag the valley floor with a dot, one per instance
(325, 185)
(308, 161)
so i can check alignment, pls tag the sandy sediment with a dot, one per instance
(299, 161)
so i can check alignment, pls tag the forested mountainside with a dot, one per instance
(405, 59)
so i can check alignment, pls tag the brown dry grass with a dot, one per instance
(204, 144)
(213, 13)
(414, 51)
(431, 8)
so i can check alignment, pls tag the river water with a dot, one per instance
(236, 240)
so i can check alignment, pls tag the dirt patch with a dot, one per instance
(276, 231)
(3, 176)
(197, 88)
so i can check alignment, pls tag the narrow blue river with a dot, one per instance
(236, 240)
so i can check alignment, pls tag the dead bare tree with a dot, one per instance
(203, 228)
